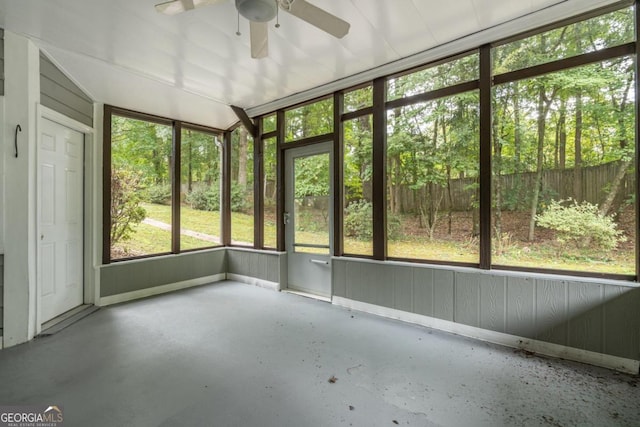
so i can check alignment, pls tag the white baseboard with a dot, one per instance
(254, 281)
(143, 293)
(554, 350)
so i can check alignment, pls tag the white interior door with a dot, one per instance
(60, 219)
(309, 218)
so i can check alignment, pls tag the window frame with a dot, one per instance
(176, 125)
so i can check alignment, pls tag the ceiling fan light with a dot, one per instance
(257, 10)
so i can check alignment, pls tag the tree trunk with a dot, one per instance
(605, 207)
(497, 185)
(364, 160)
(517, 141)
(562, 135)
(543, 108)
(190, 167)
(623, 142)
(577, 169)
(450, 199)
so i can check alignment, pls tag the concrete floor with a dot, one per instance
(235, 355)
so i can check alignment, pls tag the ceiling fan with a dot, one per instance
(260, 12)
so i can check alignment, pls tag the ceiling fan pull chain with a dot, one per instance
(277, 15)
(238, 33)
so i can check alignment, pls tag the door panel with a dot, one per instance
(308, 218)
(60, 225)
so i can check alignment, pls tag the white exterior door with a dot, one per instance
(309, 218)
(60, 219)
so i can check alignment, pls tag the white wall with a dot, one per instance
(22, 89)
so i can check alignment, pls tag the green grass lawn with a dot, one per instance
(150, 240)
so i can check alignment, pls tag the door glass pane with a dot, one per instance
(311, 204)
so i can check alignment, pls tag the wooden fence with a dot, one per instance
(557, 184)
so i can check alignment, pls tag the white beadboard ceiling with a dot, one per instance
(192, 66)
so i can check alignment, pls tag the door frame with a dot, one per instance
(89, 283)
(290, 154)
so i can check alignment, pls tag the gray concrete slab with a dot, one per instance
(235, 355)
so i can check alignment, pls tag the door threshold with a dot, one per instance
(65, 319)
(307, 295)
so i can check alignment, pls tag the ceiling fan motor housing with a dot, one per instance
(257, 10)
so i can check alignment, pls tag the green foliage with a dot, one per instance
(580, 225)
(394, 226)
(141, 146)
(309, 120)
(125, 204)
(358, 222)
(312, 176)
(158, 194)
(239, 202)
(204, 198)
(519, 198)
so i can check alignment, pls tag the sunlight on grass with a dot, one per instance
(433, 250)
(149, 240)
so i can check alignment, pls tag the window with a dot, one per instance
(358, 99)
(357, 172)
(140, 202)
(613, 29)
(433, 77)
(564, 193)
(242, 224)
(269, 123)
(563, 168)
(138, 180)
(309, 120)
(432, 180)
(200, 189)
(270, 155)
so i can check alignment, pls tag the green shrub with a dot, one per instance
(238, 198)
(580, 225)
(158, 194)
(358, 222)
(208, 198)
(394, 226)
(204, 198)
(125, 205)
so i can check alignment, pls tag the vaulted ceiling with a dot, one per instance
(192, 66)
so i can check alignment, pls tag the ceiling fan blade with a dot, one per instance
(178, 6)
(259, 39)
(318, 18)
